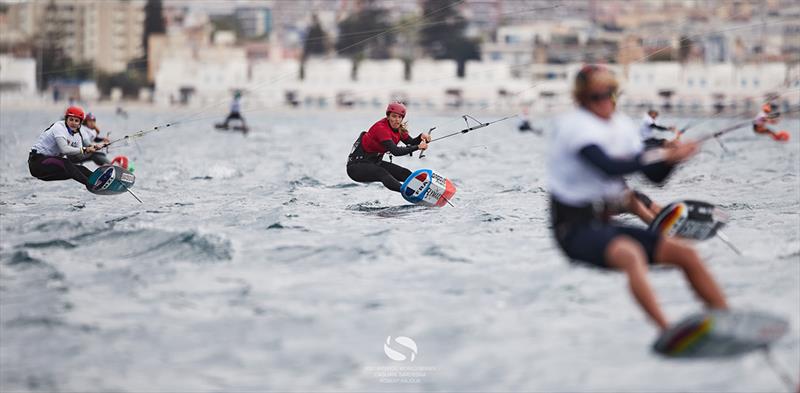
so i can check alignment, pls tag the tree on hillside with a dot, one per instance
(316, 42)
(365, 34)
(153, 22)
(442, 34)
(685, 49)
(227, 23)
(53, 62)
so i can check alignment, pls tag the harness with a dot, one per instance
(564, 217)
(358, 155)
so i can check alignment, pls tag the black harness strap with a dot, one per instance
(358, 155)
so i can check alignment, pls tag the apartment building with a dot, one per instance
(107, 32)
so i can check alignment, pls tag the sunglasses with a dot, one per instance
(607, 95)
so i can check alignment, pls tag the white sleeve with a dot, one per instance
(60, 131)
(62, 138)
(65, 148)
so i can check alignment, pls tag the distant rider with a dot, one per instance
(646, 130)
(524, 122)
(90, 133)
(235, 113)
(764, 118)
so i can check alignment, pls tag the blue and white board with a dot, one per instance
(426, 187)
(689, 219)
(110, 180)
(716, 334)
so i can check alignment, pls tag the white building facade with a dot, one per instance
(17, 76)
(488, 86)
(107, 32)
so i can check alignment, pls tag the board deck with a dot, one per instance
(689, 219)
(110, 180)
(716, 334)
(427, 188)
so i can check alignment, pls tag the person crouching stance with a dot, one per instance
(47, 159)
(365, 163)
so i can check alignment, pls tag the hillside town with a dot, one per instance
(683, 56)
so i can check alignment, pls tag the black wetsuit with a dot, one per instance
(51, 168)
(366, 167)
(233, 116)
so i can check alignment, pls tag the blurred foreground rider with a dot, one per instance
(593, 148)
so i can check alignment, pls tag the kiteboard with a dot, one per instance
(110, 180)
(689, 219)
(224, 127)
(426, 187)
(716, 334)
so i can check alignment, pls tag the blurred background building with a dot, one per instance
(434, 54)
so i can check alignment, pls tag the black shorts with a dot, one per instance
(588, 243)
(584, 238)
(651, 143)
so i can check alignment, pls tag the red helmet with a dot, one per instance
(396, 107)
(75, 111)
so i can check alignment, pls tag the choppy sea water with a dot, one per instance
(256, 264)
